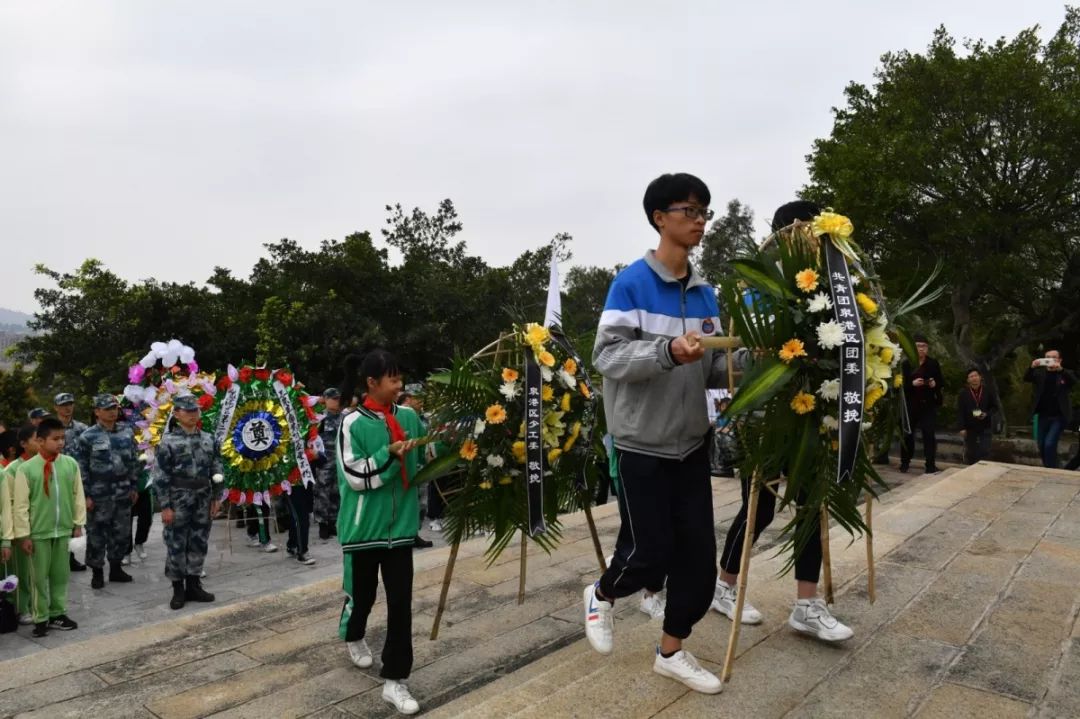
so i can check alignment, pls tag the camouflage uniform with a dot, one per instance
(327, 499)
(109, 463)
(186, 464)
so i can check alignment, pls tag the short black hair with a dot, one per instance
(920, 337)
(48, 426)
(26, 432)
(8, 439)
(802, 210)
(669, 188)
(376, 364)
(969, 370)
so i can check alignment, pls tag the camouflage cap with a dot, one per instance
(186, 402)
(331, 393)
(413, 389)
(105, 401)
(37, 413)
(64, 398)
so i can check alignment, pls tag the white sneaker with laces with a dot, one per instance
(812, 616)
(398, 694)
(140, 549)
(682, 666)
(253, 541)
(435, 525)
(724, 602)
(269, 547)
(359, 653)
(599, 624)
(653, 604)
(26, 619)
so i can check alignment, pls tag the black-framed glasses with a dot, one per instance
(693, 212)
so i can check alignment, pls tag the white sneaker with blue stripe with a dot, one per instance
(599, 623)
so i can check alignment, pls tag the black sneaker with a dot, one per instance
(98, 582)
(421, 543)
(932, 469)
(74, 564)
(305, 559)
(903, 468)
(324, 531)
(291, 551)
(63, 623)
(41, 629)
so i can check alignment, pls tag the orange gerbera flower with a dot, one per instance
(509, 375)
(495, 414)
(570, 365)
(468, 450)
(806, 280)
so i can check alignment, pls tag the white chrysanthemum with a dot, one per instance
(546, 374)
(829, 422)
(829, 389)
(567, 379)
(830, 335)
(855, 279)
(495, 460)
(509, 390)
(479, 428)
(819, 303)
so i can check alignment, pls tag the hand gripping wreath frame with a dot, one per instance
(501, 353)
(730, 343)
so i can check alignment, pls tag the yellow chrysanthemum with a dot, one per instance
(792, 349)
(518, 450)
(806, 280)
(565, 404)
(832, 224)
(570, 365)
(547, 394)
(553, 455)
(546, 358)
(468, 450)
(506, 479)
(886, 354)
(484, 485)
(536, 335)
(898, 380)
(509, 375)
(866, 304)
(584, 389)
(873, 395)
(495, 414)
(802, 403)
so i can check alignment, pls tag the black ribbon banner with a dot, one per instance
(852, 361)
(534, 444)
(559, 338)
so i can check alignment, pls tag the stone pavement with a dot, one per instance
(977, 600)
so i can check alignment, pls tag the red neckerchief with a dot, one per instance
(976, 397)
(25, 456)
(397, 434)
(47, 472)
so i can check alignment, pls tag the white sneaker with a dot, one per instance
(26, 619)
(682, 666)
(724, 602)
(359, 653)
(653, 604)
(253, 542)
(398, 694)
(126, 561)
(812, 616)
(269, 547)
(140, 549)
(599, 624)
(435, 525)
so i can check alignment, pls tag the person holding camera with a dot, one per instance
(923, 395)
(1050, 406)
(975, 408)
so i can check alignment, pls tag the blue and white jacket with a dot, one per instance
(654, 405)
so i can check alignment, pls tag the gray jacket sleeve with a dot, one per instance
(619, 355)
(718, 372)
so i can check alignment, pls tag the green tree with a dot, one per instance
(17, 396)
(969, 156)
(729, 235)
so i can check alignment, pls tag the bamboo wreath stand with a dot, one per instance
(502, 351)
(756, 483)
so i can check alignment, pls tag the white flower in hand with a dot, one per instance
(819, 303)
(830, 334)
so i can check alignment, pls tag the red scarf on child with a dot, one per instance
(397, 434)
(47, 472)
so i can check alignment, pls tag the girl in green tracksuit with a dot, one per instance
(379, 518)
(20, 562)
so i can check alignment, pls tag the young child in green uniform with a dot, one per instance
(378, 521)
(20, 562)
(49, 509)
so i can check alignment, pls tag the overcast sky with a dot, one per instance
(166, 137)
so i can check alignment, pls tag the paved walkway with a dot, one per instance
(977, 578)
